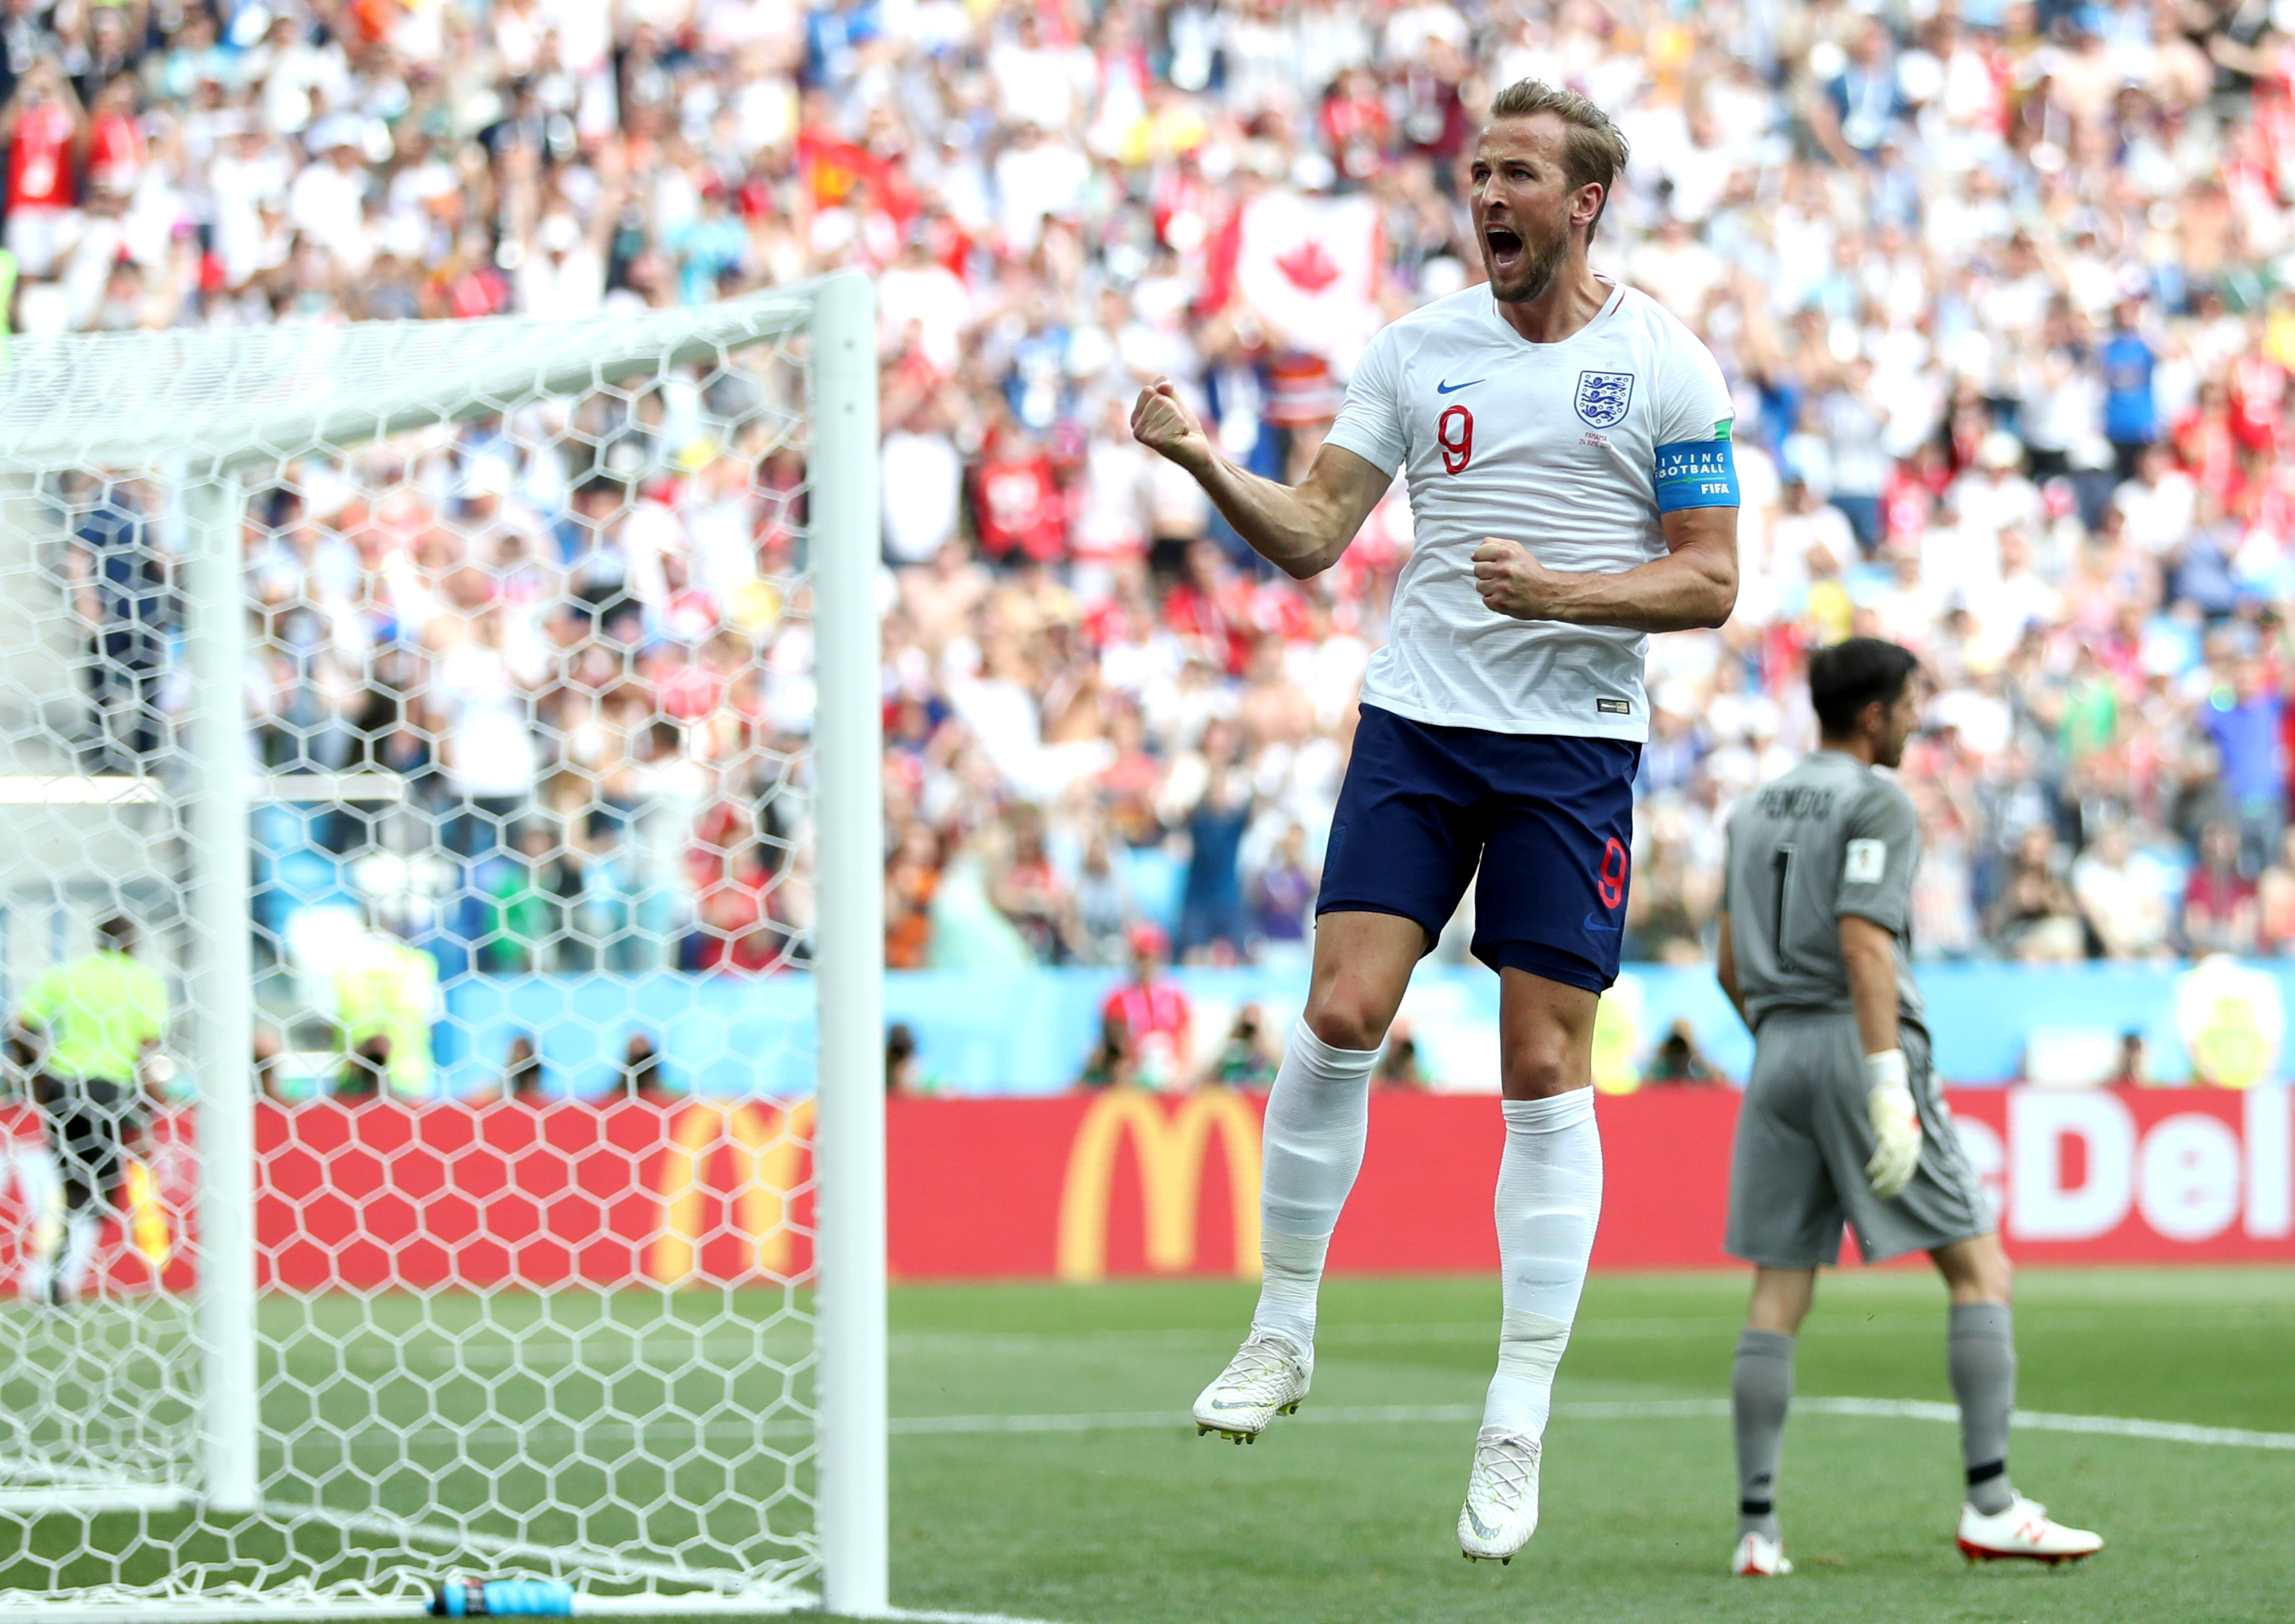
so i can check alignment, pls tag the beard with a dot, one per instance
(1541, 262)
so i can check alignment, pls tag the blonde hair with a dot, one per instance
(1592, 151)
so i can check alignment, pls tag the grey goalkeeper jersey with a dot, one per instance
(1831, 838)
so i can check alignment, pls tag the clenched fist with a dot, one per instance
(1162, 422)
(1514, 583)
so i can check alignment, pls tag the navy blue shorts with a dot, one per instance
(1549, 819)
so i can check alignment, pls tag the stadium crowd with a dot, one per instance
(2002, 291)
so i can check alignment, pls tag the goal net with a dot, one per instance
(439, 854)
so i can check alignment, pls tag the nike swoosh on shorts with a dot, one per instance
(1594, 924)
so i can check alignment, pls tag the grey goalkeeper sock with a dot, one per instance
(1981, 1352)
(1760, 1392)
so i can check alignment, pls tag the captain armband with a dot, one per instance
(1696, 474)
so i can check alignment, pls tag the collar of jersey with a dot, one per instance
(1609, 308)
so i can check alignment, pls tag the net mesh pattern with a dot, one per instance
(527, 692)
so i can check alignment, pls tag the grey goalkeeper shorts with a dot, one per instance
(1803, 1137)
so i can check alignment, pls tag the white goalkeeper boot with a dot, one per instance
(2024, 1530)
(1501, 1509)
(1267, 1377)
(1759, 1556)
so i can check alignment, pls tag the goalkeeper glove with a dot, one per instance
(1896, 1124)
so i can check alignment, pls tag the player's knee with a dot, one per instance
(1541, 1070)
(1978, 1271)
(1998, 1280)
(1344, 1017)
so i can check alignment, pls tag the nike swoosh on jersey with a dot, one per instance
(1452, 388)
(1594, 923)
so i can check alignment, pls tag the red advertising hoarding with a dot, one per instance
(376, 1195)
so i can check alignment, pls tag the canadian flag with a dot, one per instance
(1310, 267)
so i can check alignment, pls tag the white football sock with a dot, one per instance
(1318, 1116)
(1549, 1197)
(80, 1232)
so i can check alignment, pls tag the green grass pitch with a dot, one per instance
(1042, 1467)
(1349, 1522)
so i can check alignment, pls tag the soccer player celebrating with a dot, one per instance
(1566, 443)
(1841, 1119)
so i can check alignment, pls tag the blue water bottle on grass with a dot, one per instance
(502, 1598)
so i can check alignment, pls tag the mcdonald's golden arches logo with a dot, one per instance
(1170, 1146)
(765, 1148)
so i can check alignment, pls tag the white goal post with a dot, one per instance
(321, 1398)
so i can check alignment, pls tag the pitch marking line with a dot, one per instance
(1653, 1409)
(1116, 1420)
(904, 1615)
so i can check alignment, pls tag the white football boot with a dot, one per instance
(1759, 1556)
(1267, 1377)
(2025, 1530)
(1501, 1509)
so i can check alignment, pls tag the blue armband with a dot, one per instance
(1696, 474)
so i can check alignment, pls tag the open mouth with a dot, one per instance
(1505, 246)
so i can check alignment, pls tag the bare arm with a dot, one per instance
(1301, 529)
(1725, 970)
(1694, 585)
(11, 114)
(1869, 954)
(1825, 123)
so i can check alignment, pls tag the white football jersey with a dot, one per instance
(1568, 448)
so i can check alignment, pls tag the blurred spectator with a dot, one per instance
(521, 1077)
(1673, 898)
(1105, 911)
(1945, 923)
(903, 1073)
(967, 931)
(2220, 913)
(2275, 900)
(386, 1003)
(1283, 894)
(1033, 894)
(1398, 1062)
(1247, 1058)
(2123, 896)
(526, 917)
(1150, 1016)
(1677, 1059)
(119, 577)
(1108, 1066)
(1212, 921)
(2036, 917)
(2133, 1067)
(47, 130)
(2131, 412)
(267, 1051)
(2247, 720)
(640, 1065)
(737, 930)
(910, 880)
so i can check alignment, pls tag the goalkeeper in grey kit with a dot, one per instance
(1841, 1120)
